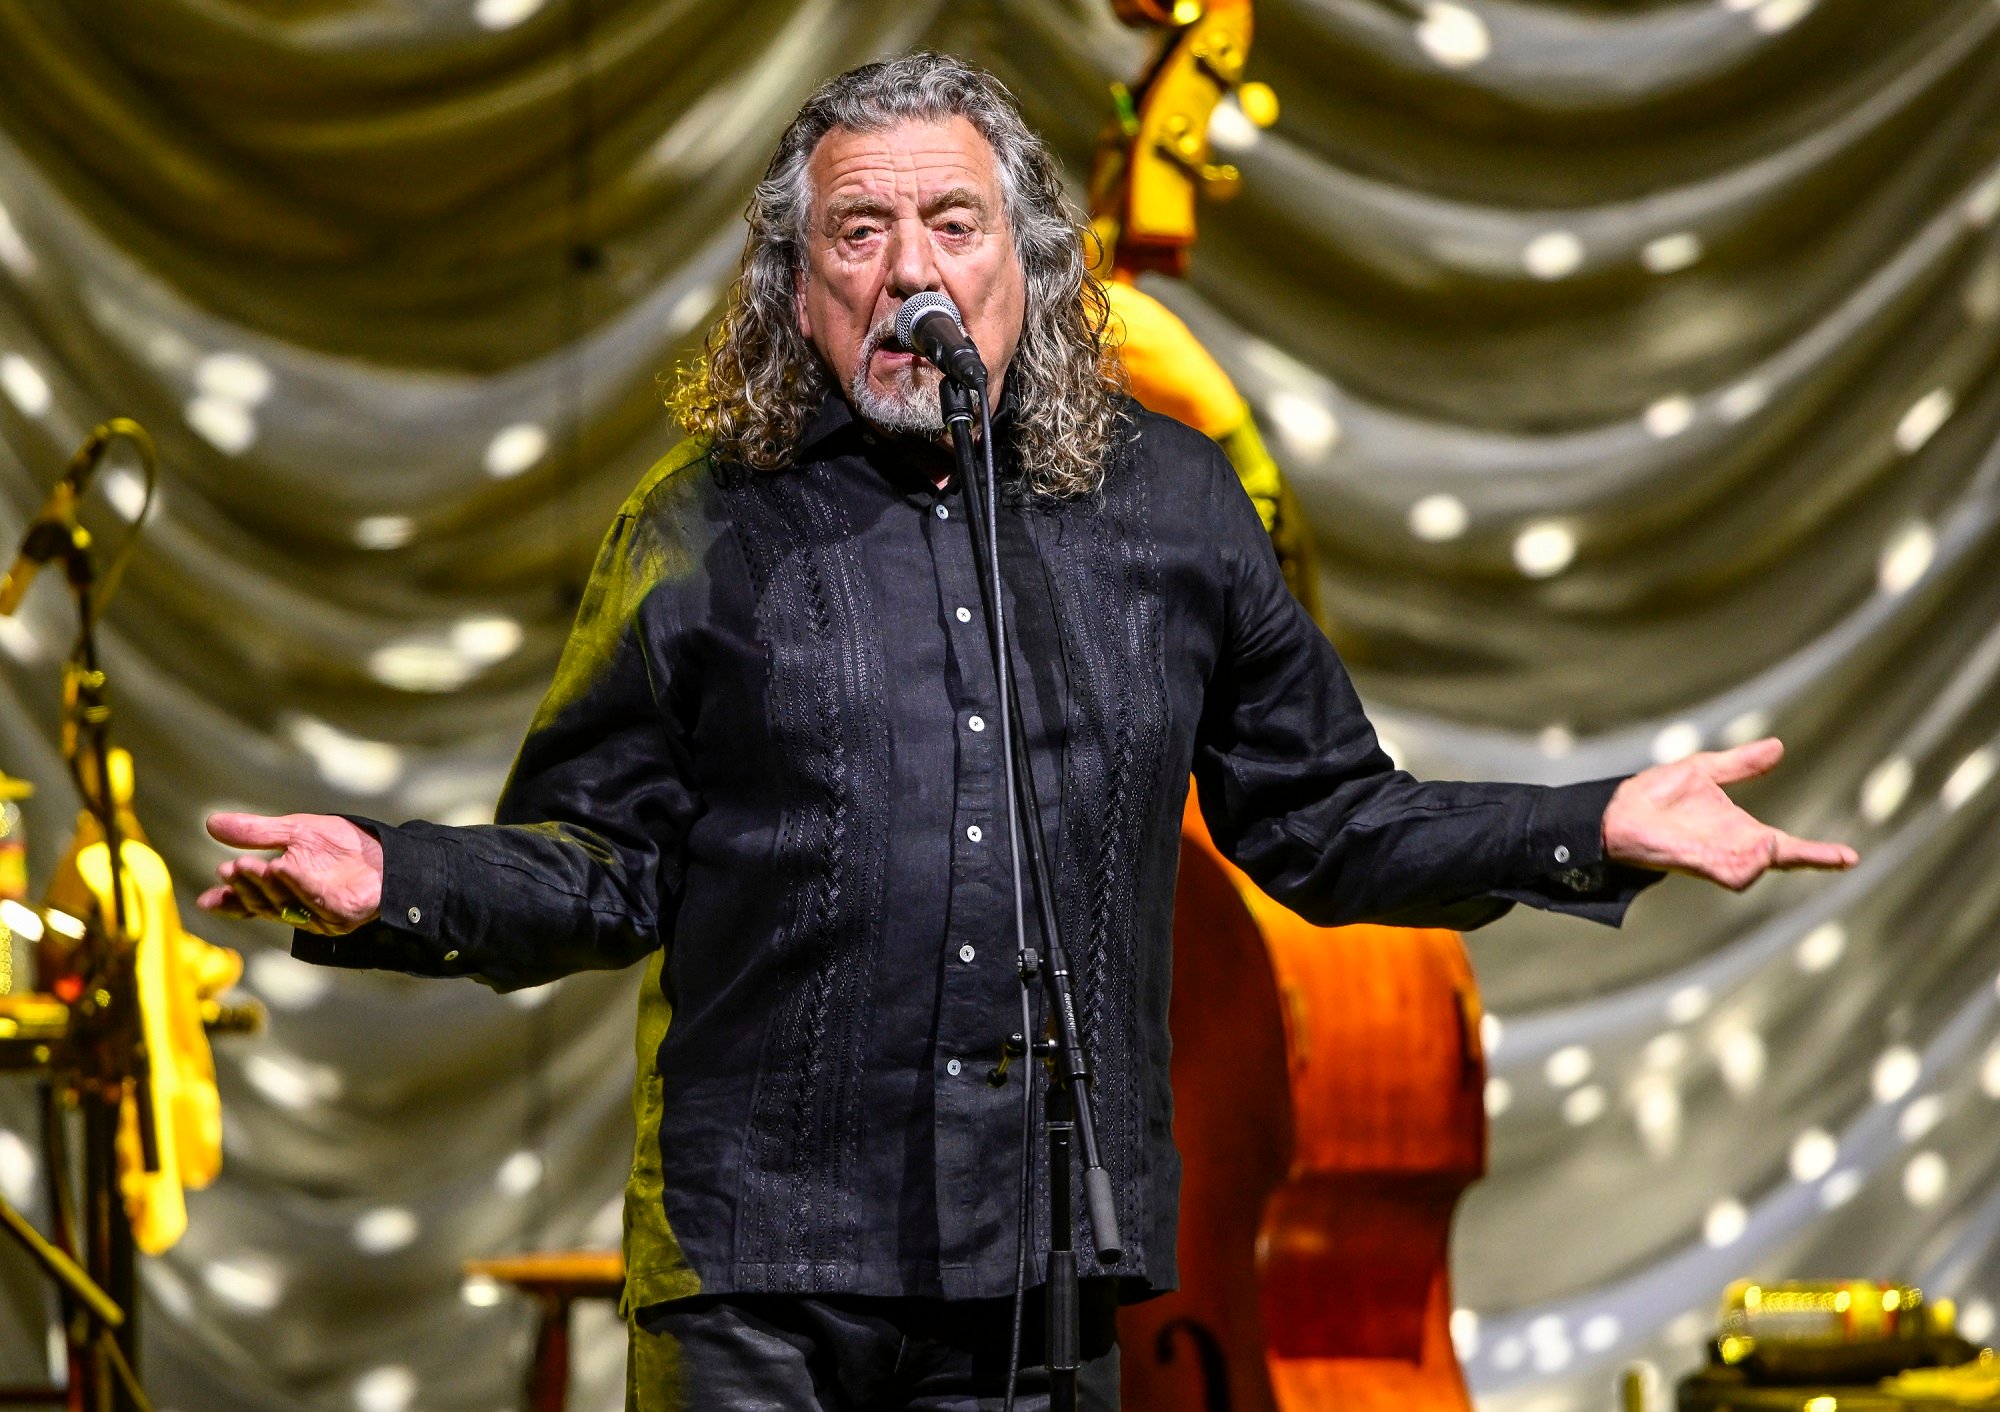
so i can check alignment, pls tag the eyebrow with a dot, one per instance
(957, 196)
(842, 208)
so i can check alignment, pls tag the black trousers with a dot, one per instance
(840, 1353)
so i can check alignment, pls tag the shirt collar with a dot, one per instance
(833, 418)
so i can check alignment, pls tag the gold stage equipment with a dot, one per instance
(1153, 162)
(1151, 169)
(1839, 1346)
(116, 1027)
(13, 848)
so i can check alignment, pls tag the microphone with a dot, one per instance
(929, 326)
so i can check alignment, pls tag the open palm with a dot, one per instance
(1678, 818)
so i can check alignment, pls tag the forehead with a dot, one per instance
(906, 159)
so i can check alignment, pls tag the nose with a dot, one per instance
(912, 263)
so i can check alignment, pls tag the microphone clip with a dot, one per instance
(960, 403)
(54, 532)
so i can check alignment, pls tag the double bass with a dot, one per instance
(1328, 1082)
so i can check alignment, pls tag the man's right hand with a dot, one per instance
(326, 871)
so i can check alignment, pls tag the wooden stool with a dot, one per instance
(555, 1279)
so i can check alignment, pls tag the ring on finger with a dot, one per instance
(295, 914)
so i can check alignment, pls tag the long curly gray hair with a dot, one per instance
(759, 379)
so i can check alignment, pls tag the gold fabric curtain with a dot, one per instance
(1635, 364)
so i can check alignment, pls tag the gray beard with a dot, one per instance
(910, 410)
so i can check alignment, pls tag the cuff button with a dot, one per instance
(1562, 853)
(416, 914)
(451, 956)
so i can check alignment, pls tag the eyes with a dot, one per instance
(863, 231)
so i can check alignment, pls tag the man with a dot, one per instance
(768, 762)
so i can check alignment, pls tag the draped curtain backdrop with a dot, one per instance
(1634, 362)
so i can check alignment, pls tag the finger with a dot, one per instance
(251, 830)
(256, 904)
(1790, 852)
(230, 869)
(1745, 762)
(266, 896)
(310, 893)
(251, 905)
(222, 901)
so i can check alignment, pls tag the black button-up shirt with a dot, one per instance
(770, 761)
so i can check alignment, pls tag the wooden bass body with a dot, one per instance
(1328, 1087)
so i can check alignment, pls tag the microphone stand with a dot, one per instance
(106, 1039)
(1069, 1119)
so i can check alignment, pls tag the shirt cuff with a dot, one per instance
(1565, 831)
(405, 937)
(1562, 862)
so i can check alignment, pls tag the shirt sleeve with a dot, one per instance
(1300, 795)
(583, 866)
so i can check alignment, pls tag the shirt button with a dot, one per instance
(965, 952)
(964, 615)
(451, 956)
(416, 914)
(942, 513)
(977, 723)
(952, 1066)
(974, 832)
(1562, 853)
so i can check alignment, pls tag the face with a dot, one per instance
(910, 208)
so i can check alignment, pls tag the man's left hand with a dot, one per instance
(1677, 818)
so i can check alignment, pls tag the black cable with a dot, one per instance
(1022, 1232)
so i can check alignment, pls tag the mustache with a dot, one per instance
(882, 335)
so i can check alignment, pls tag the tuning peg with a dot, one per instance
(1219, 182)
(1258, 102)
(1159, 12)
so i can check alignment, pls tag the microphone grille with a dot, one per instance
(918, 305)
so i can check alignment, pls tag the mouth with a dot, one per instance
(887, 357)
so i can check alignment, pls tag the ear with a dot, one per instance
(799, 301)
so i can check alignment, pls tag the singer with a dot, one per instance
(768, 767)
